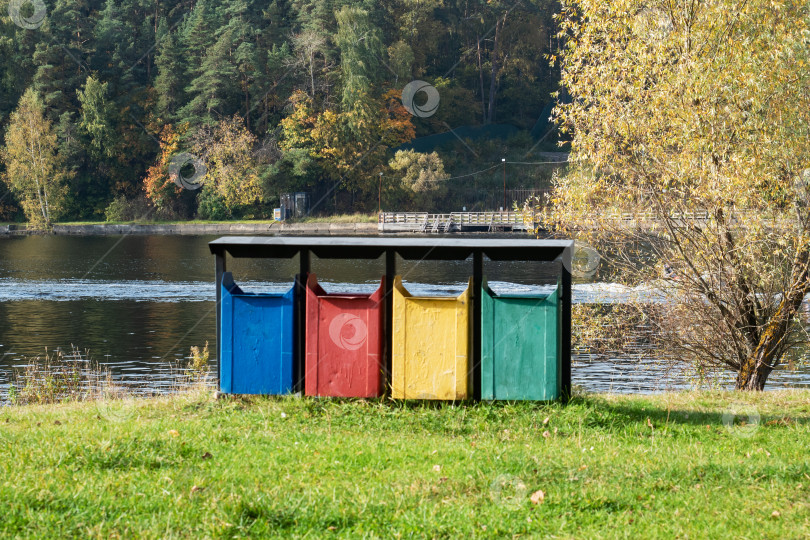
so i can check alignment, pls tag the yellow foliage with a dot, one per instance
(34, 171)
(691, 146)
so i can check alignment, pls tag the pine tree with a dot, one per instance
(97, 118)
(169, 79)
(210, 88)
(62, 55)
(245, 56)
(360, 53)
(197, 34)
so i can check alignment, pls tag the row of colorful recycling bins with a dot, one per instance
(431, 344)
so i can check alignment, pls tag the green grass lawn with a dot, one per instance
(644, 467)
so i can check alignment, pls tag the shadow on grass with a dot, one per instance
(731, 413)
(609, 414)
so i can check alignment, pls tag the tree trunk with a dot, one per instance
(312, 73)
(36, 161)
(753, 378)
(499, 25)
(481, 79)
(753, 373)
(247, 104)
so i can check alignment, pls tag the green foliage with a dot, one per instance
(117, 209)
(360, 53)
(113, 74)
(422, 176)
(401, 58)
(96, 117)
(170, 71)
(123, 209)
(211, 205)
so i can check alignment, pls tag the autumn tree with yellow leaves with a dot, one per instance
(34, 171)
(693, 118)
(228, 152)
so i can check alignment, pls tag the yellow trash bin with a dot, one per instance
(431, 345)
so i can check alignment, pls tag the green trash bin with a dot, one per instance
(520, 346)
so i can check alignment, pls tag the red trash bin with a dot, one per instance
(344, 342)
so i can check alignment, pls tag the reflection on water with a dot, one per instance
(138, 303)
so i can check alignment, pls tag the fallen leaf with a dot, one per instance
(776, 514)
(332, 528)
(195, 489)
(442, 479)
(583, 467)
(538, 497)
(57, 423)
(207, 455)
(174, 433)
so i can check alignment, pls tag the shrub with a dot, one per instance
(123, 209)
(211, 205)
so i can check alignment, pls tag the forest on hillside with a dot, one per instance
(104, 103)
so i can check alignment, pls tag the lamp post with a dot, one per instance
(379, 196)
(503, 161)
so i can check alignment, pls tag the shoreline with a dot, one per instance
(328, 229)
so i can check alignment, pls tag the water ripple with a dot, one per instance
(63, 290)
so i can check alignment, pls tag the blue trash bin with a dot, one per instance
(257, 341)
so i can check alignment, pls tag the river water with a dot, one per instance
(138, 303)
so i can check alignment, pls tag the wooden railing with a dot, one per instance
(454, 221)
(530, 220)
